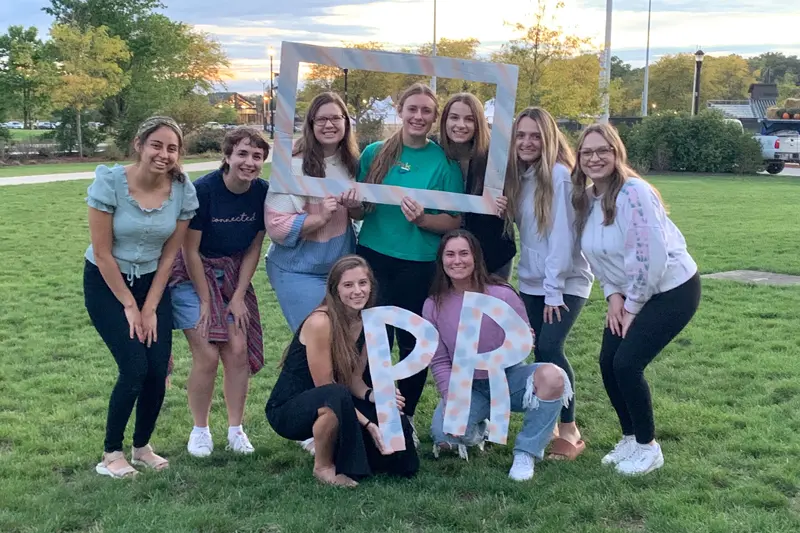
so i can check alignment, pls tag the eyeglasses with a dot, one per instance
(334, 119)
(604, 152)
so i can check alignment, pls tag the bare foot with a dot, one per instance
(329, 476)
(569, 432)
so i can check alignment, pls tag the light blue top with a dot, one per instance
(139, 234)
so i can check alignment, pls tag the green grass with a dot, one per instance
(726, 393)
(26, 135)
(13, 171)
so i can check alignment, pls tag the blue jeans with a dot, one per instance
(538, 422)
(298, 293)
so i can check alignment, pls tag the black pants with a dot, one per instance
(356, 454)
(403, 284)
(549, 342)
(622, 361)
(142, 370)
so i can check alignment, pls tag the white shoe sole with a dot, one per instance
(103, 471)
(655, 466)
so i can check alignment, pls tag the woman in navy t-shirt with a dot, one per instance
(213, 300)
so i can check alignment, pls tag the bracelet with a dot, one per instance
(367, 424)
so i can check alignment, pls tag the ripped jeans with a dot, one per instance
(538, 422)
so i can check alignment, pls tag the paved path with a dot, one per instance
(755, 276)
(47, 178)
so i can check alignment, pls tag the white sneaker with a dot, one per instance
(621, 451)
(644, 459)
(522, 469)
(308, 445)
(240, 443)
(200, 444)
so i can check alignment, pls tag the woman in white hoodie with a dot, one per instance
(649, 279)
(554, 278)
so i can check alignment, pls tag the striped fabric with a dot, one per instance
(315, 253)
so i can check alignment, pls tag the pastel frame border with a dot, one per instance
(504, 76)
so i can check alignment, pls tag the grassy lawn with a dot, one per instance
(26, 135)
(13, 171)
(726, 393)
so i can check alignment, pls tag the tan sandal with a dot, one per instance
(145, 456)
(116, 466)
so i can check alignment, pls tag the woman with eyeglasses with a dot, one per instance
(554, 277)
(310, 234)
(649, 280)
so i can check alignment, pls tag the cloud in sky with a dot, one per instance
(246, 28)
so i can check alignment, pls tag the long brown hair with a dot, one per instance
(149, 127)
(479, 145)
(309, 147)
(555, 149)
(344, 353)
(442, 284)
(390, 152)
(621, 173)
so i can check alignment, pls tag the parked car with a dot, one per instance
(780, 143)
(213, 125)
(14, 125)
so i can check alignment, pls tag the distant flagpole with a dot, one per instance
(646, 90)
(605, 66)
(433, 79)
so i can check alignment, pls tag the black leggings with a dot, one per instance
(404, 284)
(356, 454)
(622, 361)
(549, 342)
(142, 370)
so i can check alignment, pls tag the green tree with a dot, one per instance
(772, 67)
(169, 60)
(625, 91)
(536, 47)
(728, 77)
(26, 71)
(89, 68)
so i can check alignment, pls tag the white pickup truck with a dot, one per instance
(780, 143)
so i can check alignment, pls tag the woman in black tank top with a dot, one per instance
(323, 392)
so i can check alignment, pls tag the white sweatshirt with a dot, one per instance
(642, 253)
(551, 265)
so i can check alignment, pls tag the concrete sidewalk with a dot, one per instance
(47, 178)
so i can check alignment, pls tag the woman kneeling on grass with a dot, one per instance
(539, 390)
(138, 217)
(649, 279)
(322, 392)
(213, 301)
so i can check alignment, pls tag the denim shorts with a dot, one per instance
(186, 303)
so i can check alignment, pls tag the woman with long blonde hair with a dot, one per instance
(554, 277)
(464, 137)
(322, 389)
(649, 279)
(400, 242)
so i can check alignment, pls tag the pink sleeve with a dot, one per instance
(442, 362)
(282, 219)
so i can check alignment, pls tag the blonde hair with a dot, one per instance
(555, 149)
(622, 172)
(479, 145)
(390, 152)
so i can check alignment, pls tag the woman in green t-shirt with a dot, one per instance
(400, 242)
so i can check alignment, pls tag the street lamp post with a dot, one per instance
(345, 86)
(698, 64)
(271, 53)
(264, 104)
(646, 90)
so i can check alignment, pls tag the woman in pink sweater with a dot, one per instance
(460, 268)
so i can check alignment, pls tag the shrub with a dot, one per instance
(368, 131)
(681, 143)
(205, 140)
(113, 153)
(66, 134)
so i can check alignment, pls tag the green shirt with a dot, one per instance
(386, 229)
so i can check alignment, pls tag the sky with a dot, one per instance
(246, 28)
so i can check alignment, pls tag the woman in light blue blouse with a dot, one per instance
(138, 216)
